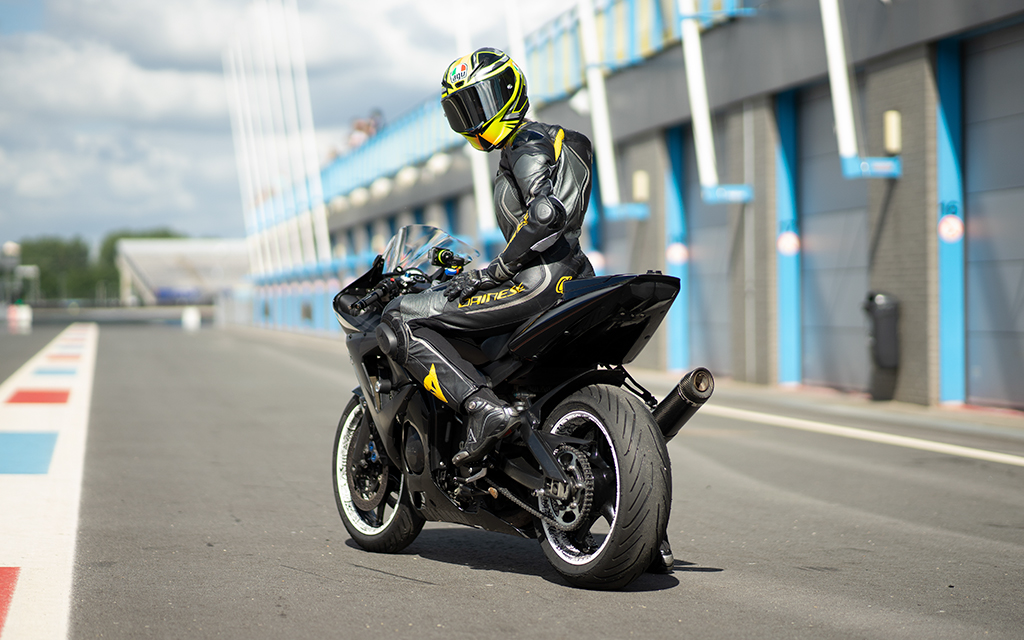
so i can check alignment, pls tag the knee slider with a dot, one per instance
(393, 337)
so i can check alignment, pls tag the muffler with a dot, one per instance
(679, 406)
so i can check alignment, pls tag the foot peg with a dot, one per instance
(467, 486)
(476, 475)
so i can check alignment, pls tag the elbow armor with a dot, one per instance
(540, 229)
(549, 213)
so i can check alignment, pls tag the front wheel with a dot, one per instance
(609, 529)
(369, 489)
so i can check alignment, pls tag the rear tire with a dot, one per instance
(621, 529)
(369, 489)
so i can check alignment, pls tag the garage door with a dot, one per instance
(710, 306)
(994, 186)
(834, 229)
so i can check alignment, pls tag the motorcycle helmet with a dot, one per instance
(484, 98)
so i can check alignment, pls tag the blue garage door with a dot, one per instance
(994, 179)
(834, 229)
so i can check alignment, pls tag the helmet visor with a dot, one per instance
(471, 107)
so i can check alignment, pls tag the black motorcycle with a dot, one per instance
(587, 472)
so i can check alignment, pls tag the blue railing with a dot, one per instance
(409, 140)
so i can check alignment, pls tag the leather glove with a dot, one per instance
(469, 282)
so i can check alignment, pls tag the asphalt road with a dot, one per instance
(207, 512)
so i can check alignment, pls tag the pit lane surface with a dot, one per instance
(207, 511)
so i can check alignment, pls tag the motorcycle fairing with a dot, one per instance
(425, 488)
(350, 321)
(383, 410)
(605, 320)
(409, 404)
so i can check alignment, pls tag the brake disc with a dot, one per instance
(367, 471)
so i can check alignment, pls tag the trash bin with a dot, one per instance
(883, 311)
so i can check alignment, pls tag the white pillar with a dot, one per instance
(259, 159)
(604, 144)
(483, 191)
(697, 88)
(839, 79)
(284, 173)
(517, 43)
(126, 282)
(483, 188)
(312, 161)
(231, 81)
(273, 211)
(278, 40)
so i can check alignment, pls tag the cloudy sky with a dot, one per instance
(113, 113)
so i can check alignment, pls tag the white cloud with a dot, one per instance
(115, 115)
(157, 33)
(43, 74)
(7, 168)
(409, 42)
(140, 179)
(37, 184)
(41, 174)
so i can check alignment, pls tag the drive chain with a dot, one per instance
(530, 510)
(587, 488)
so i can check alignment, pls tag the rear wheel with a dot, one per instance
(370, 489)
(610, 527)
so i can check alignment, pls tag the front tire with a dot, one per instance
(621, 524)
(369, 489)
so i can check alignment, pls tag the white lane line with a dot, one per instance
(862, 434)
(39, 511)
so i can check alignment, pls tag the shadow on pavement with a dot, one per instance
(682, 565)
(487, 551)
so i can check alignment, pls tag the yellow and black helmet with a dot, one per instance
(484, 98)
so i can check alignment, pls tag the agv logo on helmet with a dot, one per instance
(460, 72)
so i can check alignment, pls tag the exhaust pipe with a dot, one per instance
(679, 406)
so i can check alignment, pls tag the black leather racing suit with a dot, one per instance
(541, 193)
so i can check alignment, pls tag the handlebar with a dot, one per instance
(360, 305)
(387, 289)
(374, 296)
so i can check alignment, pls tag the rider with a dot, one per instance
(541, 193)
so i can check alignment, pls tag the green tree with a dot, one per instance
(64, 269)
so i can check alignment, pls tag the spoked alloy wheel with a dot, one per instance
(617, 512)
(369, 489)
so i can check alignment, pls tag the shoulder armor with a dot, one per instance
(527, 135)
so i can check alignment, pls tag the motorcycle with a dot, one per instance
(587, 472)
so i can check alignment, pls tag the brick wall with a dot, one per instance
(902, 249)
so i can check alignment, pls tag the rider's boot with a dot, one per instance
(664, 561)
(489, 420)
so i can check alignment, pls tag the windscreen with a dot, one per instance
(410, 248)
